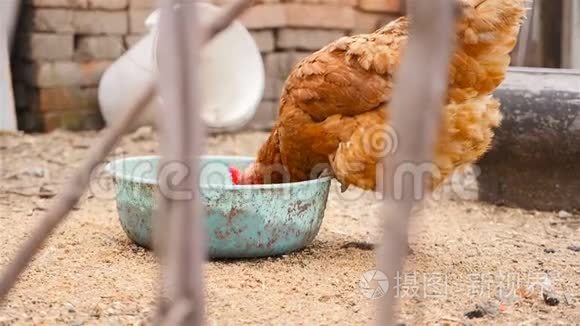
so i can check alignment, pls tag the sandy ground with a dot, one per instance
(464, 254)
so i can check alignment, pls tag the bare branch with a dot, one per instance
(416, 110)
(179, 227)
(71, 193)
(183, 252)
(77, 185)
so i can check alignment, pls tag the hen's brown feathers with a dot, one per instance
(334, 101)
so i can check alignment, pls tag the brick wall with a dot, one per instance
(64, 46)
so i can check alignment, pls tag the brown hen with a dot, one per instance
(335, 102)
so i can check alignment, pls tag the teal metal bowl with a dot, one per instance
(242, 220)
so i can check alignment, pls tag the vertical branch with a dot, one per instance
(416, 111)
(179, 227)
(524, 38)
(183, 246)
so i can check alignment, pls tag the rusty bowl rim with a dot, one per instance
(118, 175)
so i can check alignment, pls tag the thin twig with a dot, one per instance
(39, 194)
(70, 194)
(416, 111)
(18, 193)
(28, 186)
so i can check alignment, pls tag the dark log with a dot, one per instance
(535, 160)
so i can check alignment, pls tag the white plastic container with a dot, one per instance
(231, 73)
(7, 106)
(8, 16)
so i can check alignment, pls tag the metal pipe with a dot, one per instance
(525, 37)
